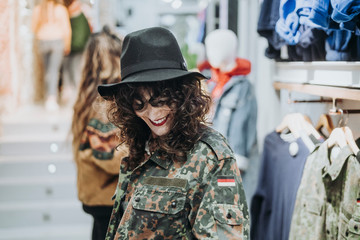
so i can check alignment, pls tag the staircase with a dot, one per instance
(38, 195)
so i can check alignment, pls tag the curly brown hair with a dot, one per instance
(101, 65)
(188, 103)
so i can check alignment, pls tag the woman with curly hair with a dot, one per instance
(180, 180)
(94, 137)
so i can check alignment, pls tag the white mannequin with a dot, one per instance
(221, 49)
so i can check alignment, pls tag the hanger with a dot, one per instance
(350, 140)
(300, 126)
(325, 123)
(293, 122)
(342, 136)
(337, 137)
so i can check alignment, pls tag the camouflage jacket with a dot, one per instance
(202, 198)
(328, 199)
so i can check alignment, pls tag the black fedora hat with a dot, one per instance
(149, 55)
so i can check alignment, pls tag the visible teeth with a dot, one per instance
(160, 120)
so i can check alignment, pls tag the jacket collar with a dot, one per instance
(160, 160)
(333, 166)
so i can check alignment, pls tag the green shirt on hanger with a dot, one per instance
(328, 199)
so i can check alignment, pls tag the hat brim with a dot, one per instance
(108, 90)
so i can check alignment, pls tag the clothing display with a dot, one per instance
(308, 188)
(328, 200)
(338, 20)
(163, 200)
(280, 175)
(269, 15)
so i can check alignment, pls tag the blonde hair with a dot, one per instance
(101, 65)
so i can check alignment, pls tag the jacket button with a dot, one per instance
(137, 199)
(228, 215)
(173, 204)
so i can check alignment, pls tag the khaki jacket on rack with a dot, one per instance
(327, 204)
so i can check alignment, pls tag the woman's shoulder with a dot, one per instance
(61, 9)
(101, 127)
(213, 142)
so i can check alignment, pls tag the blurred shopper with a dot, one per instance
(51, 26)
(95, 140)
(81, 30)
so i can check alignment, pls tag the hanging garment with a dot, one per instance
(269, 15)
(280, 175)
(328, 199)
(337, 45)
(311, 46)
(235, 111)
(319, 14)
(344, 10)
(292, 15)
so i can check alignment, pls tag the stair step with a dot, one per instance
(28, 129)
(42, 213)
(35, 120)
(38, 189)
(35, 166)
(53, 232)
(26, 147)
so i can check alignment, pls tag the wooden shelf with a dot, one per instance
(321, 90)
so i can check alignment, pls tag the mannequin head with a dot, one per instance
(221, 49)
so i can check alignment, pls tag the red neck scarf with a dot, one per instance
(243, 67)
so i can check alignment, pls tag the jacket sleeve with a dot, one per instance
(222, 212)
(242, 125)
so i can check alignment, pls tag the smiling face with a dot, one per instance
(154, 112)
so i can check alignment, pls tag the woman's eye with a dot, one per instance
(138, 105)
(158, 102)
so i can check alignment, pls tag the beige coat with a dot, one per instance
(98, 164)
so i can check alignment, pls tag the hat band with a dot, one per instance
(150, 65)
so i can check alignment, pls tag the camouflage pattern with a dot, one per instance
(328, 199)
(164, 199)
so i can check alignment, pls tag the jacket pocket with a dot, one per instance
(159, 199)
(349, 227)
(313, 206)
(228, 214)
(229, 221)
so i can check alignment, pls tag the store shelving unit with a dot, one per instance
(336, 80)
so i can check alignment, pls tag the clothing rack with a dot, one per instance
(333, 92)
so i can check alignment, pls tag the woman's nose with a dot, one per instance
(152, 112)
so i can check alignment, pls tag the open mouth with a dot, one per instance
(160, 121)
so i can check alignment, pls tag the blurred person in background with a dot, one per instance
(95, 139)
(51, 27)
(81, 28)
